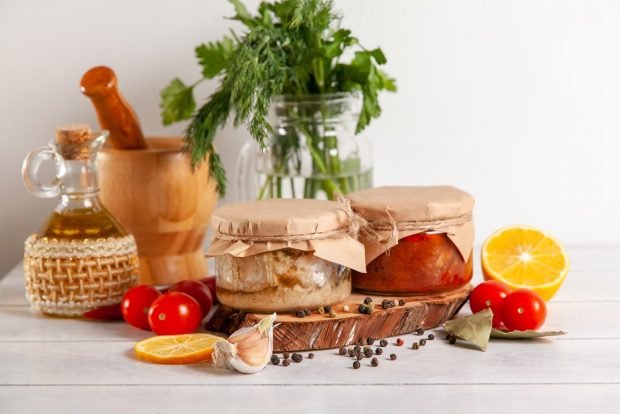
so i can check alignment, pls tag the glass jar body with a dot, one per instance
(280, 281)
(313, 152)
(420, 264)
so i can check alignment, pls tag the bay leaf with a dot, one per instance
(474, 328)
(495, 333)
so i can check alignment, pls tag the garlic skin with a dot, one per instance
(248, 349)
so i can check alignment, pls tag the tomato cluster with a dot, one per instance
(521, 310)
(176, 310)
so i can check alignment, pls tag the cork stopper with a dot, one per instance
(71, 140)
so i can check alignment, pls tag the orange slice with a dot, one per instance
(177, 349)
(525, 257)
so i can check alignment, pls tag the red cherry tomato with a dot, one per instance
(105, 313)
(175, 313)
(136, 303)
(198, 291)
(489, 294)
(210, 283)
(523, 309)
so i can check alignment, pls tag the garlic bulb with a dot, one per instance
(248, 349)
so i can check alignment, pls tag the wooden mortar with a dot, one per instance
(155, 196)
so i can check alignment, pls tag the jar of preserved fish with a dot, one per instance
(281, 255)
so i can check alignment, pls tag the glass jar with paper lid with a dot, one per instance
(418, 240)
(282, 255)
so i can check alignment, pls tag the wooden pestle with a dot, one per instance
(113, 111)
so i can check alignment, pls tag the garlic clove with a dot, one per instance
(248, 349)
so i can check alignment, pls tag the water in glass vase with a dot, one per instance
(323, 187)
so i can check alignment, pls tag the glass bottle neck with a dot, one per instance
(79, 187)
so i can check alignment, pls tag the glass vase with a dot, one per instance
(313, 152)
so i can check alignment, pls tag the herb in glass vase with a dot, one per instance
(323, 86)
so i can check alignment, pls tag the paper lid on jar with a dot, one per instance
(328, 228)
(397, 212)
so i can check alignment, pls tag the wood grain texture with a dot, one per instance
(159, 199)
(322, 332)
(474, 399)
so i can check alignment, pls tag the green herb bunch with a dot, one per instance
(290, 47)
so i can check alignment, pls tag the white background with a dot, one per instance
(517, 102)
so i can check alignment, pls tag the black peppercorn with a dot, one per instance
(370, 341)
(310, 355)
(383, 343)
(357, 348)
(327, 309)
(360, 341)
(300, 314)
(297, 357)
(356, 365)
(452, 340)
(367, 300)
(368, 353)
(431, 337)
(275, 360)
(286, 362)
(415, 345)
(342, 350)
(422, 342)
(419, 331)
(393, 357)
(286, 355)
(401, 302)
(359, 356)
(307, 312)
(351, 352)
(374, 362)
(387, 304)
(378, 351)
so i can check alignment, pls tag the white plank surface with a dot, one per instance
(64, 365)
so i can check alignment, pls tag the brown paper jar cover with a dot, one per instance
(418, 240)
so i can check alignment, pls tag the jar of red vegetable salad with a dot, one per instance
(418, 240)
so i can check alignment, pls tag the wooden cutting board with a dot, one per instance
(322, 332)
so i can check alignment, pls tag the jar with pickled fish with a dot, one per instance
(282, 255)
(418, 240)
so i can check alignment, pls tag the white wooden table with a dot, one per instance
(62, 365)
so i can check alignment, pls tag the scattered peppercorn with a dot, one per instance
(401, 302)
(374, 362)
(297, 357)
(399, 342)
(307, 312)
(378, 351)
(345, 308)
(342, 350)
(359, 356)
(367, 300)
(286, 355)
(357, 348)
(370, 341)
(321, 310)
(351, 352)
(275, 360)
(419, 331)
(310, 355)
(393, 357)
(327, 309)
(387, 304)
(431, 337)
(383, 343)
(368, 353)
(356, 364)
(331, 314)
(300, 314)
(452, 340)
(415, 345)
(286, 362)
(422, 342)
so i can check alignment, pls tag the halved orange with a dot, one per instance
(525, 257)
(177, 349)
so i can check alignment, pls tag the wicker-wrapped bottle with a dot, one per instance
(82, 258)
